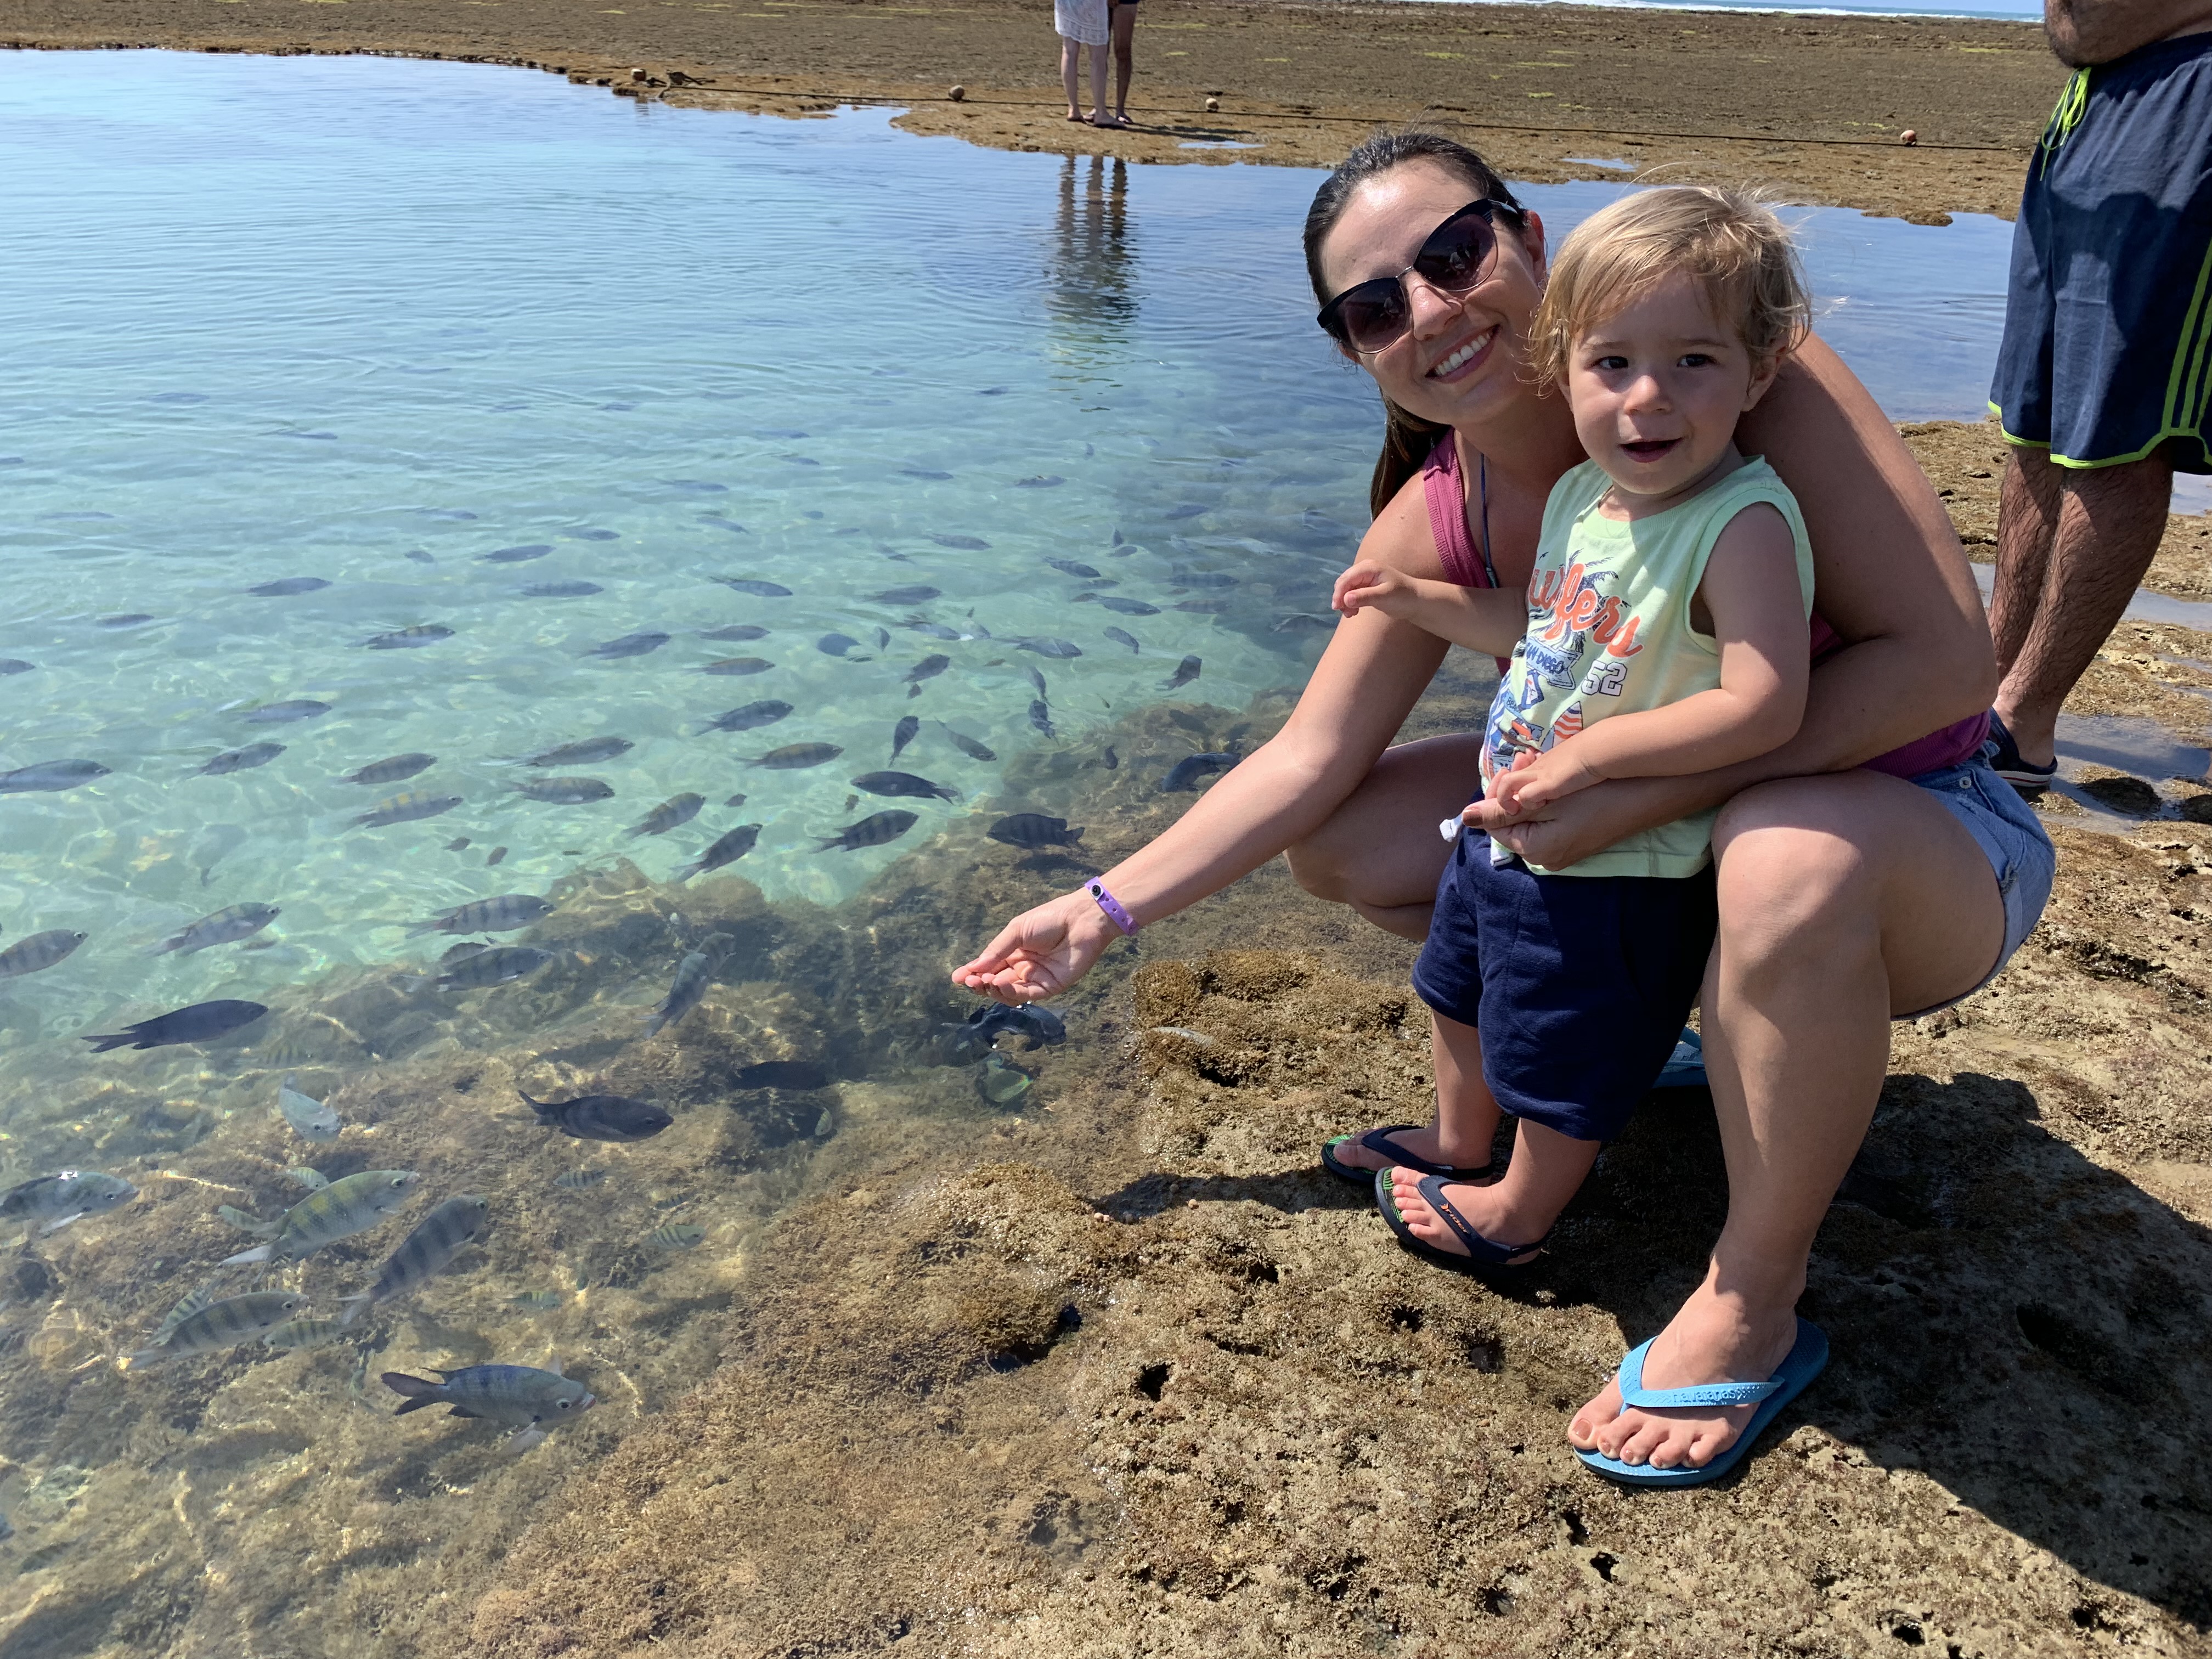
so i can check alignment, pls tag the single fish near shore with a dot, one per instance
(754, 585)
(519, 1397)
(630, 645)
(340, 1210)
(1041, 717)
(600, 1117)
(748, 717)
(293, 709)
(501, 964)
(405, 639)
(964, 544)
(967, 745)
(917, 594)
(1186, 773)
(1185, 671)
(502, 915)
(1032, 830)
(839, 645)
(201, 1022)
(452, 1224)
(903, 783)
(566, 792)
(728, 848)
(57, 1200)
(1128, 607)
(284, 586)
(735, 633)
(672, 813)
(515, 554)
(567, 590)
(796, 757)
(871, 831)
(1074, 567)
(225, 927)
(16, 666)
(904, 734)
(738, 666)
(240, 760)
(50, 775)
(798, 1075)
(217, 1325)
(1122, 636)
(927, 669)
(39, 953)
(310, 1118)
(391, 770)
(295, 1333)
(694, 975)
(1049, 647)
(583, 752)
(675, 1235)
(405, 809)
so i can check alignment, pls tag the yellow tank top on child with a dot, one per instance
(1609, 633)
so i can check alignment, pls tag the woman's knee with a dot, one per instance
(1792, 875)
(1320, 865)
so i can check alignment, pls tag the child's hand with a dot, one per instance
(1369, 583)
(1538, 780)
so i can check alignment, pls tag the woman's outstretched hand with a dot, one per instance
(1041, 952)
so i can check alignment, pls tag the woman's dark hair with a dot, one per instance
(1406, 439)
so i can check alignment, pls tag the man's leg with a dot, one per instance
(1124, 39)
(1843, 900)
(2072, 545)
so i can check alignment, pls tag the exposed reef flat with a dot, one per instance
(1815, 104)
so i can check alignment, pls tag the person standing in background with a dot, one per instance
(1125, 39)
(2104, 379)
(1082, 23)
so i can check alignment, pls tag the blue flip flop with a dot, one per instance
(1806, 1359)
(1484, 1257)
(1686, 1067)
(1377, 1141)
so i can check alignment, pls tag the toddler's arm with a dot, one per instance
(1486, 619)
(1751, 589)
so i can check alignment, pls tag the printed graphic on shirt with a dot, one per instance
(1570, 613)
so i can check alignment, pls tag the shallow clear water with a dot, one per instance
(371, 321)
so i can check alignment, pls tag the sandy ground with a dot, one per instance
(1814, 103)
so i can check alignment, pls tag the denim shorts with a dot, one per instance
(2011, 837)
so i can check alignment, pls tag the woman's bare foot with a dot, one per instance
(1714, 1337)
(1484, 1208)
(1073, 113)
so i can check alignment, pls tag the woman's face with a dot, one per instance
(1460, 363)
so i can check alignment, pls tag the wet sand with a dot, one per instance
(1815, 104)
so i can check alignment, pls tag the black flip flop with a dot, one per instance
(1377, 1141)
(1485, 1258)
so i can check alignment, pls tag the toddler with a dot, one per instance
(1663, 632)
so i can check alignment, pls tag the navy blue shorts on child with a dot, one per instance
(2107, 353)
(1578, 984)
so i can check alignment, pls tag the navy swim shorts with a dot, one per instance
(2107, 353)
(1578, 984)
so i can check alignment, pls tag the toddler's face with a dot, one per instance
(1657, 389)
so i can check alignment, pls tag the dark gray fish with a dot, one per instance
(1185, 671)
(577, 1181)
(1036, 679)
(795, 755)
(502, 915)
(630, 645)
(225, 927)
(223, 1324)
(497, 853)
(968, 1042)
(1189, 772)
(593, 535)
(758, 589)
(966, 744)
(405, 809)
(128, 619)
(1128, 607)
(66, 1195)
(675, 1235)
(1203, 579)
(391, 768)
(240, 760)
(303, 1333)
(523, 1398)
(903, 734)
(51, 774)
(1205, 607)
(915, 595)
(1109, 759)
(970, 543)
(407, 638)
(723, 521)
(675, 810)
(451, 1225)
(871, 831)
(735, 633)
(1041, 717)
(1031, 830)
(467, 947)
(924, 472)
(797, 1074)
(882, 638)
(728, 849)
(903, 783)
(694, 974)
(453, 512)
(583, 752)
(566, 792)
(37, 952)
(735, 801)
(295, 709)
(1188, 510)
(1302, 624)
(697, 486)
(309, 1118)
(569, 590)
(1041, 481)
(1072, 568)
(285, 586)
(927, 669)
(16, 666)
(421, 557)
(839, 645)
(600, 1117)
(1049, 647)
(202, 1022)
(1122, 636)
(930, 630)
(738, 666)
(459, 844)
(516, 555)
(751, 715)
(501, 964)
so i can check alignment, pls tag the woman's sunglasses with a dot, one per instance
(1459, 253)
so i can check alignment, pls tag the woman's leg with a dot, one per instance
(1843, 900)
(1068, 52)
(1466, 1112)
(1379, 851)
(1098, 78)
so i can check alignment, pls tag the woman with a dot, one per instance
(1848, 894)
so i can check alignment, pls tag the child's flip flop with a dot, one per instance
(1806, 1358)
(1686, 1067)
(1377, 1141)
(1484, 1255)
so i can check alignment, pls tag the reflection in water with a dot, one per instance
(1090, 276)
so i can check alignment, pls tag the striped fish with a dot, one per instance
(223, 1324)
(525, 1399)
(303, 1333)
(184, 1310)
(338, 1211)
(313, 1180)
(675, 1235)
(436, 1240)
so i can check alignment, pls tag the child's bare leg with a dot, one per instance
(1466, 1116)
(1068, 50)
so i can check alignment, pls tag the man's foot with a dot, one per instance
(1119, 118)
(2029, 778)
(1713, 1338)
(1482, 1208)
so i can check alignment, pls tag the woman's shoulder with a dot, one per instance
(1402, 536)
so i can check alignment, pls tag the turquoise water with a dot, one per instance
(368, 322)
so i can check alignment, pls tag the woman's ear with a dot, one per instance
(1532, 238)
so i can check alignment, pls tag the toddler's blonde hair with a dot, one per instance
(1729, 239)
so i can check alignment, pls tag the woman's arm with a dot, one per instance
(1368, 680)
(1888, 575)
(1489, 620)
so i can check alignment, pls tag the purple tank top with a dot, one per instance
(1462, 561)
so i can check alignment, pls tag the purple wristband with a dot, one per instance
(1111, 906)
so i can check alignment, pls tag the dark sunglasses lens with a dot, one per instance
(1454, 259)
(1373, 314)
